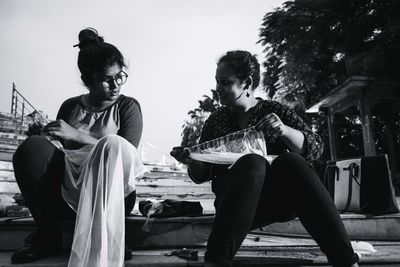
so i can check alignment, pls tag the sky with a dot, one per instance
(171, 47)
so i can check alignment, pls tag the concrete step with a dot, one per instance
(154, 185)
(12, 142)
(20, 137)
(359, 227)
(9, 118)
(194, 231)
(6, 155)
(386, 255)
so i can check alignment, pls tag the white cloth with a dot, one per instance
(97, 177)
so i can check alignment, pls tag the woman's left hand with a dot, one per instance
(61, 129)
(273, 125)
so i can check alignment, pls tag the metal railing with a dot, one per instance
(24, 111)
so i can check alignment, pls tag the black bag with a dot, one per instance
(361, 185)
(170, 208)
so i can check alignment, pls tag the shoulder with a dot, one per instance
(128, 104)
(272, 105)
(67, 107)
(71, 102)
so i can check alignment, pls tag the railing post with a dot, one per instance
(22, 116)
(13, 101)
(27, 107)
(16, 107)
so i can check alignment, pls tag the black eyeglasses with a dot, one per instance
(119, 79)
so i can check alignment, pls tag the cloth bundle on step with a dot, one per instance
(167, 208)
(170, 208)
(229, 148)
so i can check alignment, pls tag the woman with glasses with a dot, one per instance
(95, 170)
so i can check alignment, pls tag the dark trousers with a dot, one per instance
(253, 193)
(39, 170)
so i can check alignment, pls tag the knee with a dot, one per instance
(109, 146)
(253, 167)
(291, 167)
(36, 140)
(109, 142)
(252, 162)
(33, 148)
(34, 156)
(290, 161)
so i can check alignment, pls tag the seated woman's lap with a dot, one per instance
(38, 161)
(247, 172)
(278, 197)
(112, 143)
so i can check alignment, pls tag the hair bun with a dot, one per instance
(87, 37)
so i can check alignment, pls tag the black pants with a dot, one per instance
(39, 170)
(253, 193)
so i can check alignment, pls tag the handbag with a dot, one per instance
(361, 185)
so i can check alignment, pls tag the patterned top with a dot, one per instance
(222, 122)
(124, 118)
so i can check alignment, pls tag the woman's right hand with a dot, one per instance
(61, 129)
(198, 171)
(181, 154)
(34, 129)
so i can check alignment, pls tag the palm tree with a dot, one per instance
(191, 129)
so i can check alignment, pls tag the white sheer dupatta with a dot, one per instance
(97, 180)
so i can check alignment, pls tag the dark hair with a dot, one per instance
(244, 65)
(95, 55)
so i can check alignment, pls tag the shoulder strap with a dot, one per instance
(353, 173)
(328, 168)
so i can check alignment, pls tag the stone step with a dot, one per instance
(6, 156)
(285, 255)
(156, 185)
(9, 142)
(194, 231)
(19, 137)
(359, 227)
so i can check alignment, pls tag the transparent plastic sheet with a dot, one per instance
(229, 148)
(96, 181)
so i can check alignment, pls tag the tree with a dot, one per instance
(308, 44)
(191, 129)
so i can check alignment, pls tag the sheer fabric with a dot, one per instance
(96, 181)
(229, 148)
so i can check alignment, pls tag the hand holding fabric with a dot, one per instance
(273, 125)
(61, 129)
(181, 154)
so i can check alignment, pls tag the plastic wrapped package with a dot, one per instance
(229, 148)
(97, 179)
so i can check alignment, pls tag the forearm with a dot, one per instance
(294, 139)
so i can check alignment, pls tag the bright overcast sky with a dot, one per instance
(171, 47)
